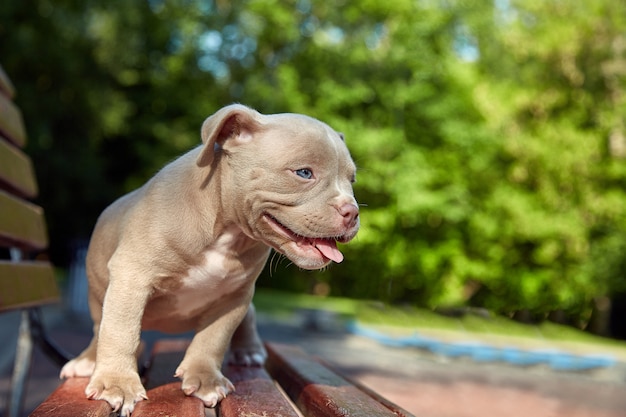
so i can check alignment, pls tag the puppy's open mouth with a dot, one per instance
(327, 246)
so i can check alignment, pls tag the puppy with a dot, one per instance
(183, 251)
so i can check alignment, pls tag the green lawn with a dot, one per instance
(279, 303)
(410, 319)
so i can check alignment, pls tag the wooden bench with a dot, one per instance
(25, 283)
(291, 384)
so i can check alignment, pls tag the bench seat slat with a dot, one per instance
(16, 171)
(169, 400)
(164, 400)
(255, 395)
(69, 400)
(26, 284)
(11, 122)
(22, 223)
(166, 397)
(315, 389)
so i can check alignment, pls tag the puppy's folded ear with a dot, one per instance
(231, 121)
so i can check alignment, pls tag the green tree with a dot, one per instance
(110, 91)
(489, 135)
(551, 87)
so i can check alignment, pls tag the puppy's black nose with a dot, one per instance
(350, 214)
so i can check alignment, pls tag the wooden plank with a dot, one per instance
(16, 171)
(11, 122)
(69, 400)
(315, 389)
(164, 400)
(26, 284)
(166, 397)
(255, 395)
(255, 392)
(22, 223)
(6, 86)
(169, 400)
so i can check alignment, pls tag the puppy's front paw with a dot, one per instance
(81, 366)
(121, 391)
(254, 355)
(210, 386)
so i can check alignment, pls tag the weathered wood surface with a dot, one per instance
(26, 284)
(318, 391)
(315, 390)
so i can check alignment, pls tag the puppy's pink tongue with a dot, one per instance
(329, 249)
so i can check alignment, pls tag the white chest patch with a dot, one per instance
(217, 275)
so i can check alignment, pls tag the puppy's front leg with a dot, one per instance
(115, 378)
(246, 346)
(200, 369)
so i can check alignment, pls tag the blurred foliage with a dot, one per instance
(490, 136)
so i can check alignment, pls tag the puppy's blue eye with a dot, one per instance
(305, 173)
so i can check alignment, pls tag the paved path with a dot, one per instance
(435, 386)
(424, 384)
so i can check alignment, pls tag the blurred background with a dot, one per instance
(490, 135)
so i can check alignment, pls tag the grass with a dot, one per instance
(282, 304)
(410, 319)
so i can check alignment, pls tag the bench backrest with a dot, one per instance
(24, 282)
